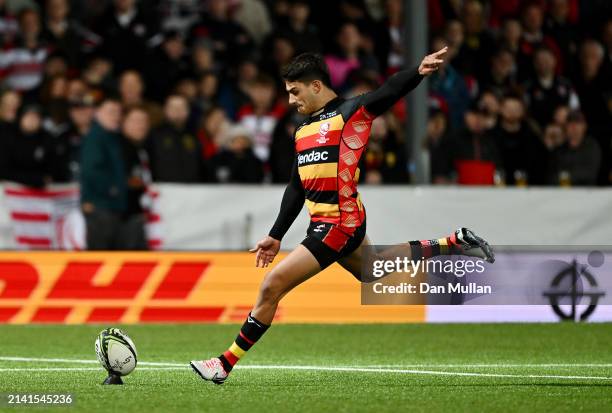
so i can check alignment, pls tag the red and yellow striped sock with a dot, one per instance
(250, 333)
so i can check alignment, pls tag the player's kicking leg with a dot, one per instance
(296, 268)
(462, 242)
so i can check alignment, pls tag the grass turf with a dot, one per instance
(512, 349)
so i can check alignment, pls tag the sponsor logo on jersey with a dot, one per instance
(313, 156)
(319, 228)
(323, 130)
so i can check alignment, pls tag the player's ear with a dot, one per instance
(316, 86)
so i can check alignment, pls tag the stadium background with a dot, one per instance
(499, 140)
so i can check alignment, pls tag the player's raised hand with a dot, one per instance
(432, 62)
(266, 250)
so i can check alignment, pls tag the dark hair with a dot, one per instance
(306, 68)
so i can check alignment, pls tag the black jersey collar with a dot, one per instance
(331, 105)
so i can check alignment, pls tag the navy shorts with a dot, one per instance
(328, 243)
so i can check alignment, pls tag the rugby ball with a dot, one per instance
(116, 352)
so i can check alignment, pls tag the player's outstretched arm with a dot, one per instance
(402, 82)
(291, 205)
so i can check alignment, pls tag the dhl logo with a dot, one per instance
(128, 288)
(147, 287)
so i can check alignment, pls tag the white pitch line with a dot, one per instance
(310, 368)
(373, 366)
(429, 372)
(32, 369)
(77, 361)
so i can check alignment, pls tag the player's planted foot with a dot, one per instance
(472, 245)
(210, 370)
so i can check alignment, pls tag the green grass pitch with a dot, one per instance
(426, 367)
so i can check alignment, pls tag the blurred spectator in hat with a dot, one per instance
(175, 151)
(21, 66)
(236, 162)
(127, 33)
(230, 40)
(548, 90)
(24, 153)
(135, 130)
(522, 152)
(580, 158)
(438, 144)
(168, 64)
(132, 93)
(261, 114)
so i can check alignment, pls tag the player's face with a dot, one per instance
(301, 96)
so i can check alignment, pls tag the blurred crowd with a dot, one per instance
(116, 94)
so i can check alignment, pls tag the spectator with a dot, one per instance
(167, 65)
(438, 143)
(348, 56)
(202, 58)
(67, 158)
(135, 129)
(10, 102)
(581, 156)
(9, 28)
(230, 40)
(448, 84)
(21, 67)
(174, 149)
(534, 39)
(66, 36)
(298, 29)
(478, 44)
(214, 125)
(559, 27)
(475, 155)
(548, 90)
(236, 162)
(253, 16)
(127, 34)
(521, 151)
(131, 91)
(261, 115)
(500, 77)
(385, 160)
(208, 87)
(24, 157)
(282, 148)
(594, 87)
(103, 183)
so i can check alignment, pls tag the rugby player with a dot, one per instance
(329, 144)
